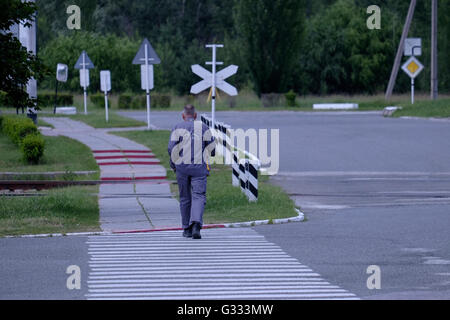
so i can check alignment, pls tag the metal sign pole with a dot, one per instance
(106, 106)
(106, 97)
(56, 96)
(84, 87)
(213, 98)
(147, 89)
(412, 90)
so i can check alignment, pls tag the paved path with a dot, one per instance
(226, 264)
(144, 203)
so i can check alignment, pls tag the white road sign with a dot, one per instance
(220, 83)
(147, 71)
(413, 47)
(84, 78)
(105, 80)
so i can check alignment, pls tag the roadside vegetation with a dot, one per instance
(245, 101)
(61, 155)
(73, 209)
(225, 203)
(426, 109)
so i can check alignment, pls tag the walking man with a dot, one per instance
(190, 147)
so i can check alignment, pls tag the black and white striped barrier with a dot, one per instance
(236, 172)
(252, 180)
(244, 171)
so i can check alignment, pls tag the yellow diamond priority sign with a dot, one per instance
(412, 67)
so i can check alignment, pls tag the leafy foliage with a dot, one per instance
(270, 33)
(310, 46)
(33, 148)
(24, 133)
(18, 65)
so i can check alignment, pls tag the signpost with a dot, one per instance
(147, 57)
(62, 73)
(105, 86)
(84, 64)
(214, 79)
(412, 68)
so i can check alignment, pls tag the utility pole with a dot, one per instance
(434, 49)
(398, 57)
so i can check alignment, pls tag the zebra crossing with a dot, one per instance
(227, 264)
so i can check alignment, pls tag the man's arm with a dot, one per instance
(170, 147)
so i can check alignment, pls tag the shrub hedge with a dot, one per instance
(18, 128)
(98, 99)
(125, 100)
(133, 101)
(290, 98)
(24, 133)
(33, 148)
(47, 99)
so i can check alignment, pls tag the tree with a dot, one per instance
(270, 34)
(342, 56)
(18, 65)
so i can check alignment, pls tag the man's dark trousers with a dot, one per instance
(192, 198)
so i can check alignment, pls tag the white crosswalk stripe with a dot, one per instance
(226, 264)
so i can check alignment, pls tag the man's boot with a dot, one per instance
(196, 230)
(187, 233)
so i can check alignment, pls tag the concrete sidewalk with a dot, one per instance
(145, 203)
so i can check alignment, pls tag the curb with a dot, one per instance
(429, 119)
(50, 235)
(299, 218)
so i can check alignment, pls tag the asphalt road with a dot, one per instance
(35, 268)
(375, 191)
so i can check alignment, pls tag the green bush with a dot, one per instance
(161, 101)
(125, 100)
(24, 133)
(290, 98)
(139, 102)
(47, 99)
(156, 101)
(270, 100)
(33, 148)
(98, 99)
(3, 98)
(18, 128)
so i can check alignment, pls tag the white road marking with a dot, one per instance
(225, 264)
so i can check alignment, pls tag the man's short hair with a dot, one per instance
(189, 110)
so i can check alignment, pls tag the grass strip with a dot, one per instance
(426, 109)
(61, 154)
(73, 209)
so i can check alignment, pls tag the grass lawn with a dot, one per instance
(61, 155)
(248, 101)
(96, 118)
(225, 203)
(426, 108)
(73, 209)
